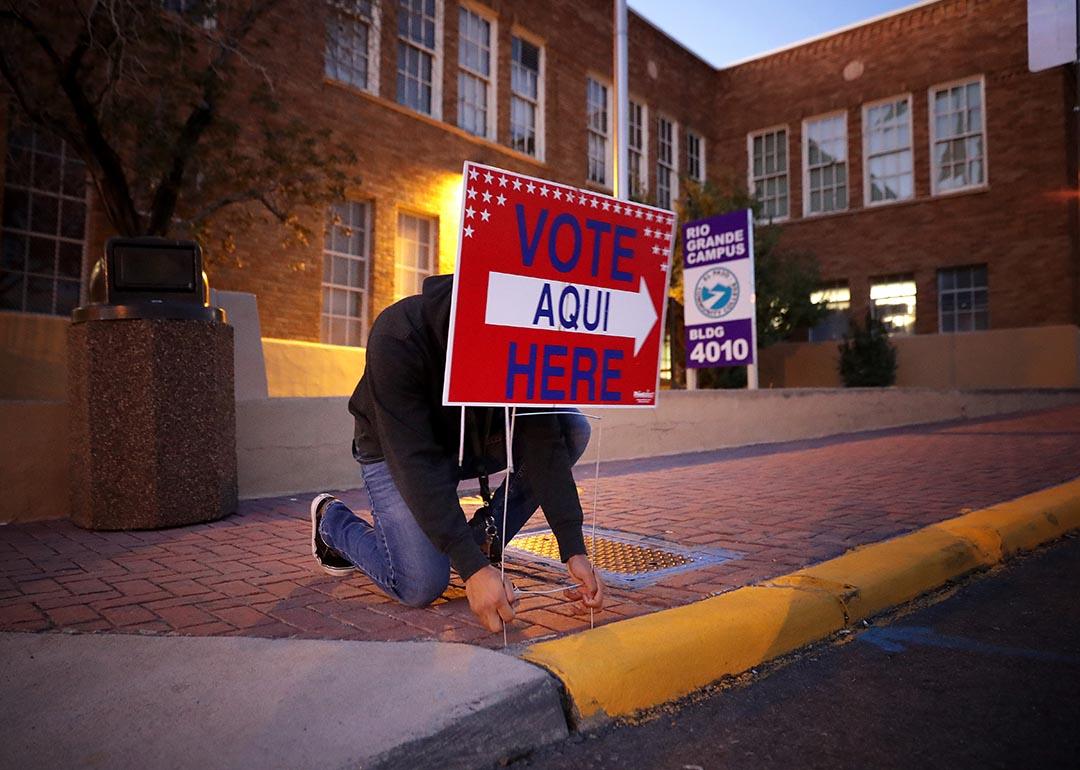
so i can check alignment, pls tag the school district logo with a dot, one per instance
(717, 292)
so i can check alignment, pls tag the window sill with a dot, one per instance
(436, 122)
(975, 188)
(772, 221)
(819, 214)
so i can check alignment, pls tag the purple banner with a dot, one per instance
(718, 290)
(724, 343)
(717, 239)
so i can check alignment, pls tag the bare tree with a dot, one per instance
(171, 108)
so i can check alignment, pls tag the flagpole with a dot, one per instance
(622, 103)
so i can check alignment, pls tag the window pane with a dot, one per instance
(13, 253)
(16, 209)
(893, 303)
(416, 46)
(73, 219)
(344, 265)
(416, 253)
(826, 147)
(39, 294)
(12, 285)
(67, 297)
(69, 260)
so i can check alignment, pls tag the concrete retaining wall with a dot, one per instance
(310, 369)
(33, 356)
(33, 460)
(287, 445)
(700, 420)
(1032, 357)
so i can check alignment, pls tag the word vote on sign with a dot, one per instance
(559, 295)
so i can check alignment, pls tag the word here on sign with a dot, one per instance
(559, 295)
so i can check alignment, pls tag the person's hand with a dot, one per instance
(490, 598)
(591, 588)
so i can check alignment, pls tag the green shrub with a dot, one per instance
(867, 357)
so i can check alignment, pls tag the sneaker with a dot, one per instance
(331, 562)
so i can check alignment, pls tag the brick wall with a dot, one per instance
(1016, 224)
(412, 163)
(1019, 223)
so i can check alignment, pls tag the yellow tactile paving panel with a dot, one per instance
(609, 555)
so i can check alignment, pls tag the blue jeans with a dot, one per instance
(396, 554)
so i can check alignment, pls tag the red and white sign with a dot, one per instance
(559, 295)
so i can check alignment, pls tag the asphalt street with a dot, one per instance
(987, 677)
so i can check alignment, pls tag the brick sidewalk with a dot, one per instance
(782, 507)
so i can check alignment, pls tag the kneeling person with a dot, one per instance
(406, 442)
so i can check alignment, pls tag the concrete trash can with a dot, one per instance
(150, 393)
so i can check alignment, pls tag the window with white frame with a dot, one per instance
(667, 154)
(416, 253)
(526, 90)
(695, 156)
(352, 43)
(769, 171)
(476, 89)
(890, 174)
(638, 176)
(837, 300)
(892, 301)
(825, 158)
(598, 112)
(43, 228)
(418, 55)
(958, 140)
(346, 261)
(963, 299)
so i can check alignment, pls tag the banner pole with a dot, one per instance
(622, 104)
(752, 370)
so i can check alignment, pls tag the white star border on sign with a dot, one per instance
(585, 199)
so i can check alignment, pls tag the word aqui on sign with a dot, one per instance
(718, 282)
(559, 295)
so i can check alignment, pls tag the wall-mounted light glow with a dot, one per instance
(447, 194)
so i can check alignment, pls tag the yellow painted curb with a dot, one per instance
(627, 666)
(624, 667)
(872, 578)
(1023, 523)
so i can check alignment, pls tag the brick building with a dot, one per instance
(922, 164)
(931, 174)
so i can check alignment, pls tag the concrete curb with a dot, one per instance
(634, 664)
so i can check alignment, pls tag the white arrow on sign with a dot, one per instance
(535, 303)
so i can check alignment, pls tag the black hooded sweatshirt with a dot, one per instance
(400, 418)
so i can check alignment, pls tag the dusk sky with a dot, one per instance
(723, 31)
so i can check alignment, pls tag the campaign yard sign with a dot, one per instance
(559, 295)
(718, 288)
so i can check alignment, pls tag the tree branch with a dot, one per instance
(242, 196)
(32, 111)
(95, 149)
(168, 188)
